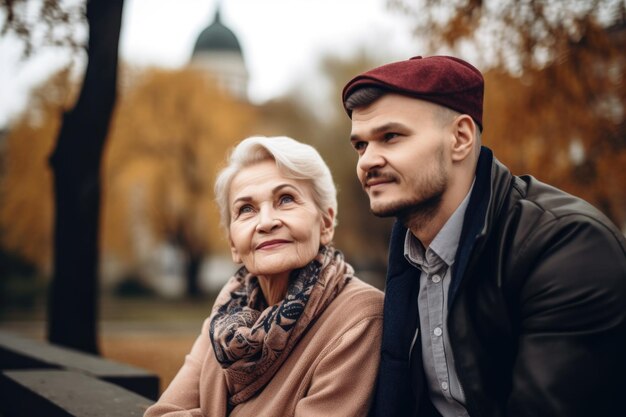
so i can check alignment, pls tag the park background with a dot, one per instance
(109, 235)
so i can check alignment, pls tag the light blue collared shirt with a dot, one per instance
(436, 262)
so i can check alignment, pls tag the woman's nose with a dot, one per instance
(268, 220)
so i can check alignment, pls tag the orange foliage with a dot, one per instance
(170, 133)
(564, 124)
(26, 212)
(555, 98)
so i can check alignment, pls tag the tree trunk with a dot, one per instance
(76, 162)
(192, 274)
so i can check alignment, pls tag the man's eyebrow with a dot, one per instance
(382, 128)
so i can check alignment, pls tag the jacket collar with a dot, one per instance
(394, 396)
(492, 181)
(475, 224)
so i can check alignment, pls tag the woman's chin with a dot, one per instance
(278, 265)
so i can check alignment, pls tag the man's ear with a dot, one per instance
(464, 130)
(327, 227)
(233, 251)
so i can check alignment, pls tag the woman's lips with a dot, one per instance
(271, 243)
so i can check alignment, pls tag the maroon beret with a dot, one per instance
(444, 80)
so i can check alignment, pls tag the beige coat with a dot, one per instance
(330, 372)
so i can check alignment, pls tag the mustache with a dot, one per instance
(375, 174)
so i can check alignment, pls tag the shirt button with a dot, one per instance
(436, 279)
(444, 386)
(437, 331)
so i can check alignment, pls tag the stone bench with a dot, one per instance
(18, 353)
(62, 393)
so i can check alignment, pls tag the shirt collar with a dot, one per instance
(445, 243)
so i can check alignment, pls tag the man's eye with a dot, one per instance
(359, 145)
(285, 199)
(390, 135)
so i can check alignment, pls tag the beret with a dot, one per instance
(444, 80)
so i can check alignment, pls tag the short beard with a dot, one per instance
(413, 215)
(418, 216)
(417, 213)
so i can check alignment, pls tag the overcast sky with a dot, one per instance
(282, 40)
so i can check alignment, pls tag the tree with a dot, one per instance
(43, 24)
(75, 162)
(170, 135)
(27, 208)
(555, 98)
(163, 151)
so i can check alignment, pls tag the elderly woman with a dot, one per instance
(293, 332)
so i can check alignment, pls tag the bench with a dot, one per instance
(62, 393)
(18, 353)
(42, 379)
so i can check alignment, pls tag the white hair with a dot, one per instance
(294, 160)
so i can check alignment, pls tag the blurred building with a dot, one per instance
(218, 52)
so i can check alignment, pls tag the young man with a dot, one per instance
(505, 296)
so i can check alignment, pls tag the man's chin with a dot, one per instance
(388, 210)
(407, 209)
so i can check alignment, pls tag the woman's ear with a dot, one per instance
(327, 227)
(233, 251)
(464, 138)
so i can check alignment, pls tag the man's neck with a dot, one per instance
(425, 227)
(426, 224)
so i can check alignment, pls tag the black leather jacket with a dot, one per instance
(537, 307)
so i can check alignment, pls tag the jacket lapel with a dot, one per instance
(394, 393)
(474, 222)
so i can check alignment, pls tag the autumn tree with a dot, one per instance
(26, 213)
(75, 162)
(171, 134)
(26, 208)
(555, 96)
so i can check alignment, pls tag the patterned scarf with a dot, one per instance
(251, 339)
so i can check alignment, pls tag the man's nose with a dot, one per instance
(370, 158)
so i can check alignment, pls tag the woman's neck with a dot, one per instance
(274, 287)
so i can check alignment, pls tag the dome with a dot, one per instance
(217, 37)
(217, 53)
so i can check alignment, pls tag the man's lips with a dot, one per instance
(372, 182)
(271, 243)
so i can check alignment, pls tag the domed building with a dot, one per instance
(218, 52)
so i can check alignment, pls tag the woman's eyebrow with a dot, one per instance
(275, 190)
(244, 199)
(280, 187)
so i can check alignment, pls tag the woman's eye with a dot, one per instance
(245, 209)
(284, 199)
